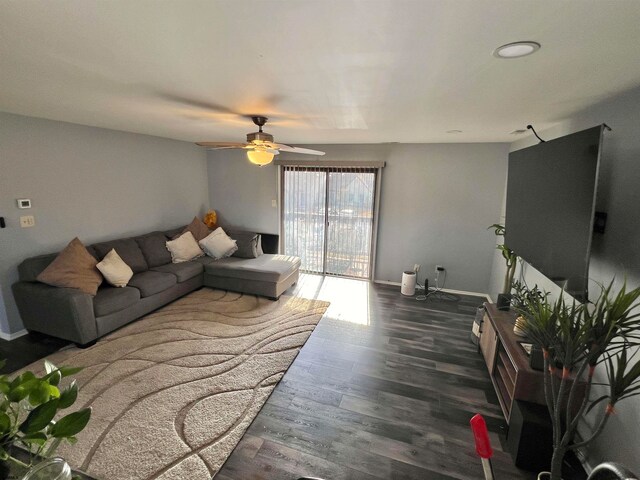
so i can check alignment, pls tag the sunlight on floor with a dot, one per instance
(349, 297)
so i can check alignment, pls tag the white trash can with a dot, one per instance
(408, 283)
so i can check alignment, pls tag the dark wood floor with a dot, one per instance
(384, 388)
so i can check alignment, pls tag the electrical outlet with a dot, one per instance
(27, 221)
(416, 267)
(274, 203)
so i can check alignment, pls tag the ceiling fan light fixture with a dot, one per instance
(516, 49)
(260, 157)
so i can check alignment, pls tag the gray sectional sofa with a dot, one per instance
(81, 318)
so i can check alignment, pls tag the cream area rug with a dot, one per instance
(173, 392)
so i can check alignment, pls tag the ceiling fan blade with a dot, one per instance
(222, 144)
(215, 107)
(288, 148)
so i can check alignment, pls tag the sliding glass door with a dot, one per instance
(328, 218)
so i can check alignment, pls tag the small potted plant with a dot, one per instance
(576, 338)
(28, 406)
(504, 298)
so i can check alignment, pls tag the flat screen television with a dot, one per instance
(551, 191)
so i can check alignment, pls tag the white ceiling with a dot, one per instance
(325, 71)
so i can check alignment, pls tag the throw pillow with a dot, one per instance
(218, 244)
(115, 270)
(247, 244)
(184, 248)
(74, 267)
(197, 228)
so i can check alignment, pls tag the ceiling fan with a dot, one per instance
(260, 146)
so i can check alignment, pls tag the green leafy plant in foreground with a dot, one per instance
(575, 339)
(28, 406)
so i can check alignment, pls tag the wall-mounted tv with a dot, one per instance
(551, 191)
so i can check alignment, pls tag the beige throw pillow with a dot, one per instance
(115, 270)
(74, 267)
(218, 244)
(184, 248)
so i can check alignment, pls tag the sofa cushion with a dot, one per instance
(111, 299)
(154, 248)
(150, 282)
(170, 234)
(73, 267)
(267, 267)
(183, 271)
(206, 260)
(128, 250)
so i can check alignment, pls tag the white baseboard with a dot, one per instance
(447, 290)
(13, 336)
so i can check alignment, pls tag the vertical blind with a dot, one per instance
(328, 217)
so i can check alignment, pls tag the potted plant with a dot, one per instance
(574, 339)
(504, 298)
(28, 406)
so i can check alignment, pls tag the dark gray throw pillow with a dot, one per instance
(247, 244)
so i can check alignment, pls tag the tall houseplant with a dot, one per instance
(510, 258)
(574, 339)
(28, 406)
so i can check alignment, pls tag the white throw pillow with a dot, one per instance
(218, 244)
(115, 271)
(184, 248)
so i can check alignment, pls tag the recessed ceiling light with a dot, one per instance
(454, 131)
(516, 49)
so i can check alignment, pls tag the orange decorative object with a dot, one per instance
(211, 219)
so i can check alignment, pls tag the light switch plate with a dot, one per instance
(24, 202)
(274, 203)
(27, 221)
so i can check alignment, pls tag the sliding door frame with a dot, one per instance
(327, 166)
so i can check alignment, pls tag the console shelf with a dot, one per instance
(507, 362)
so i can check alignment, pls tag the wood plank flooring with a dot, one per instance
(384, 388)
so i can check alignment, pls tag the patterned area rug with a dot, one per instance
(173, 393)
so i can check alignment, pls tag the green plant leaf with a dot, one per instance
(49, 367)
(38, 438)
(71, 424)
(22, 379)
(54, 377)
(5, 423)
(40, 417)
(69, 395)
(40, 394)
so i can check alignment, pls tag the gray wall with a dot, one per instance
(436, 203)
(617, 252)
(88, 182)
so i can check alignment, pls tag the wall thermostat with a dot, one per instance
(24, 203)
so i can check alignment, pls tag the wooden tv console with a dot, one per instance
(508, 363)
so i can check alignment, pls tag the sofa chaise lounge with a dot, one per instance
(82, 318)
